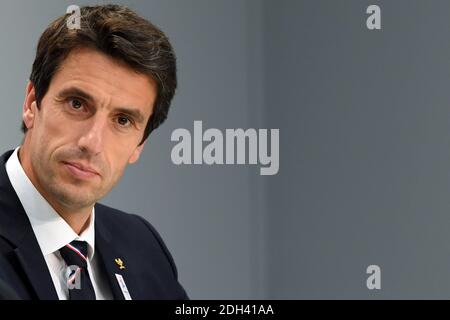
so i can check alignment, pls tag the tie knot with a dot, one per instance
(75, 253)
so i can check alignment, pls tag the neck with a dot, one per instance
(77, 218)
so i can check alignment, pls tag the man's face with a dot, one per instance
(87, 129)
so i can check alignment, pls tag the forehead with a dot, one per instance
(105, 78)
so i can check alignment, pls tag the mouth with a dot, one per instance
(80, 171)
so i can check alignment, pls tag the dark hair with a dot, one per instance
(120, 33)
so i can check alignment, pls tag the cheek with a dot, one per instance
(41, 141)
(116, 159)
(53, 122)
(49, 124)
(124, 155)
(59, 129)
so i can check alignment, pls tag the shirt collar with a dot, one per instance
(52, 232)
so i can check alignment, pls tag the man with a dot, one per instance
(95, 94)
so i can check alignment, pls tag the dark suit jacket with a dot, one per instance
(150, 272)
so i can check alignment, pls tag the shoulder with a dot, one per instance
(115, 218)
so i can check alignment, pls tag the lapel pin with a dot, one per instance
(120, 263)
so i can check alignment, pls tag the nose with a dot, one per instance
(92, 138)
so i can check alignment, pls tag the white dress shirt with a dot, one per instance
(52, 233)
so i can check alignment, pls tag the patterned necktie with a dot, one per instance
(78, 282)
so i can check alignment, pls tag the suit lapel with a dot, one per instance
(16, 228)
(108, 253)
(35, 267)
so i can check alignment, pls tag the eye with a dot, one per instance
(123, 121)
(76, 104)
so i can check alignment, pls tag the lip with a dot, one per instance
(80, 171)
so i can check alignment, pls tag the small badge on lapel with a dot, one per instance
(120, 263)
(123, 287)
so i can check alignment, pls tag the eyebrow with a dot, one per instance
(135, 113)
(77, 92)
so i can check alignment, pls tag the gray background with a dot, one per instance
(364, 144)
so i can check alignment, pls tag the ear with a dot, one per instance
(29, 106)
(136, 153)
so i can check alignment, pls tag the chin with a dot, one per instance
(72, 196)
